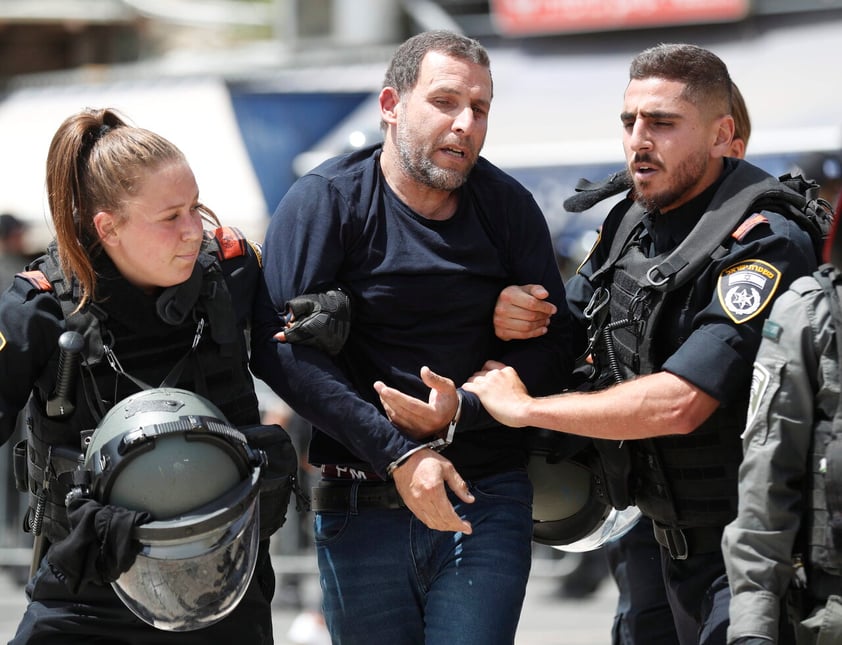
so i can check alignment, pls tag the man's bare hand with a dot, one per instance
(501, 392)
(421, 480)
(419, 419)
(522, 312)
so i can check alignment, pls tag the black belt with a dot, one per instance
(341, 496)
(681, 543)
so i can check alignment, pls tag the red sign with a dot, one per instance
(521, 17)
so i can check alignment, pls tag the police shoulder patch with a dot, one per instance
(746, 288)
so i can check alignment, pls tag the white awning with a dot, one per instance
(195, 114)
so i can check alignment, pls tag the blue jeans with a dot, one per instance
(387, 578)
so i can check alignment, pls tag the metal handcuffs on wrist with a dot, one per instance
(438, 445)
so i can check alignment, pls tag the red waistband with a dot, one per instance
(336, 471)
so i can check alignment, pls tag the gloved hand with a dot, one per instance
(99, 547)
(320, 320)
(590, 193)
(278, 477)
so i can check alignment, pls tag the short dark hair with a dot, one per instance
(706, 78)
(402, 73)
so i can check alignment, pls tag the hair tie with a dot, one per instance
(91, 138)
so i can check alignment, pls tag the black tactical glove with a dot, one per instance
(590, 193)
(99, 547)
(320, 320)
(278, 478)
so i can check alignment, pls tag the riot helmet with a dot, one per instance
(570, 507)
(173, 454)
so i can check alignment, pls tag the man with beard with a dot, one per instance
(422, 528)
(673, 332)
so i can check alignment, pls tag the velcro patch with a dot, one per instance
(37, 279)
(744, 289)
(743, 229)
(231, 242)
(760, 378)
(772, 330)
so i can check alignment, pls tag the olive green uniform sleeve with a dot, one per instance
(790, 381)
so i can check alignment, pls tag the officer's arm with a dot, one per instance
(321, 320)
(758, 544)
(31, 322)
(649, 406)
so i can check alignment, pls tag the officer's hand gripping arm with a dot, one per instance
(321, 320)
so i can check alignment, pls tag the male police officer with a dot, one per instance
(674, 333)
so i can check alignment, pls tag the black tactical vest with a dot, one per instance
(196, 344)
(690, 480)
(681, 481)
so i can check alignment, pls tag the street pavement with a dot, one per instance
(547, 619)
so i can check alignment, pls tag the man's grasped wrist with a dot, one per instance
(437, 445)
(400, 460)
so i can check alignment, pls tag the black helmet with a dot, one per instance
(173, 454)
(570, 507)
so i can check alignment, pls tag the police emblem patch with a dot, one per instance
(744, 289)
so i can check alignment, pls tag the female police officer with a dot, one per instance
(158, 299)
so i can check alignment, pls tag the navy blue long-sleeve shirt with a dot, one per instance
(423, 294)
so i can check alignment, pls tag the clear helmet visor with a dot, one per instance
(616, 524)
(192, 571)
(567, 512)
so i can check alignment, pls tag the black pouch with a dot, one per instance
(610, 459)
(278, 479)
(613, 460)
